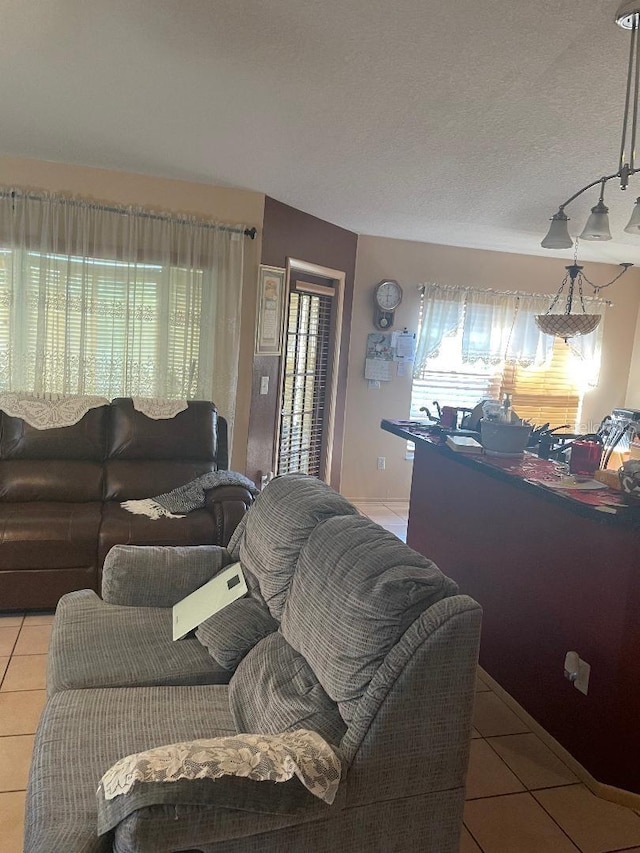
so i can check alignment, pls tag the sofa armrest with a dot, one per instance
(222, 788)
(157, 575)
(227, 505)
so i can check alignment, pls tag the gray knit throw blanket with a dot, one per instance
(178, 502)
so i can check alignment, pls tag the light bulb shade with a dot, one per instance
(633, 226)
(626, 13)
(558, 233)
(567, 325)
(597, 227)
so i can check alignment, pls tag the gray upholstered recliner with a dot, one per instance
(347, 632)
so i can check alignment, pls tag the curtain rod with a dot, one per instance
(122, 209)
(523, 293)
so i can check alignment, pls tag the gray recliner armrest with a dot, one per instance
(157, 575)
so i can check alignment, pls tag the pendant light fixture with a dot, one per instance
(597, 226)
(569, 324)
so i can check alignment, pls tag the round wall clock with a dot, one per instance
(387, 297)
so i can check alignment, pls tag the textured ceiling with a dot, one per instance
(461, 123)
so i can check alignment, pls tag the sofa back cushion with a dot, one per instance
(232, 632)
(148, 456)
(190, 436)
(355, 591)
(66, 481)
(278, 525)
(275, 690)
(84, 440)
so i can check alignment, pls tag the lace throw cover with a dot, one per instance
(49, 411)
(275, 758)
(159, 408)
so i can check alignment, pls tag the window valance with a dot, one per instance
(495, 327)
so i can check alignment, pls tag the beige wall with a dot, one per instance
(414, 263)
(633, 388)
(223, 204)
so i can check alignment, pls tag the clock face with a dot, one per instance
(388, 295)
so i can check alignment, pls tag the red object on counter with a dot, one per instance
(585, 457)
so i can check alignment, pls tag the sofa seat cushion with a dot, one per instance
(358, 588)
(84, 732)
(48, 535)
(94, 644)
(277, 526)
(275, 690)
(233, 631)
(120, 527)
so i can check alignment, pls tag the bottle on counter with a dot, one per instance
(505, 414)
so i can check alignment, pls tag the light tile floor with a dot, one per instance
(23, 658)
(520, 797)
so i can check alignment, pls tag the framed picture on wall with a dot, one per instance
(270, 307)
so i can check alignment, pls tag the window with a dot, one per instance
(483, 344)
(99, 327)
(117, 302)
(447, 380)
(551, 393)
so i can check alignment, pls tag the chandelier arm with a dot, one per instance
(598, 287)
(603, 180)
(627, 99)
(634, 123)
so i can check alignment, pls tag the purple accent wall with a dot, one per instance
(550, 580)
(291, 233)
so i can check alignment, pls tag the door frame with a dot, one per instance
(338, 277)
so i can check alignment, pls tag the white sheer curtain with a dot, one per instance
(496, 328)
(117, 301)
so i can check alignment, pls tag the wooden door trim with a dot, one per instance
(339, 278)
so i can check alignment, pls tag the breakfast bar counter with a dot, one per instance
(555, 571)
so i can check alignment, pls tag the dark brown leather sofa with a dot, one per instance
(60, 494)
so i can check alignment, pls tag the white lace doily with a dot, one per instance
(158, 408)
(275, 758)
(50, 410)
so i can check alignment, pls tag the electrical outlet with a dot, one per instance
(264, 384)
(382, 462)
(577, 671)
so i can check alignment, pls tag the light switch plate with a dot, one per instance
(264, 384)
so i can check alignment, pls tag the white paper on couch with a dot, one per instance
(225, 587)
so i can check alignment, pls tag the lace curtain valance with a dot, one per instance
(495, 327)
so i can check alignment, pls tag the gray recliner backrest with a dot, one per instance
(417, 708)
(355, 591)
(275, 529)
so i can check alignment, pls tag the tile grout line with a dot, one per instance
(613, 849)
(531, 791)
(515, 773)
(527, 790)
(13, 648)
(480, 847)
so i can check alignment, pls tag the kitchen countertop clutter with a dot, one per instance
(589, 495)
